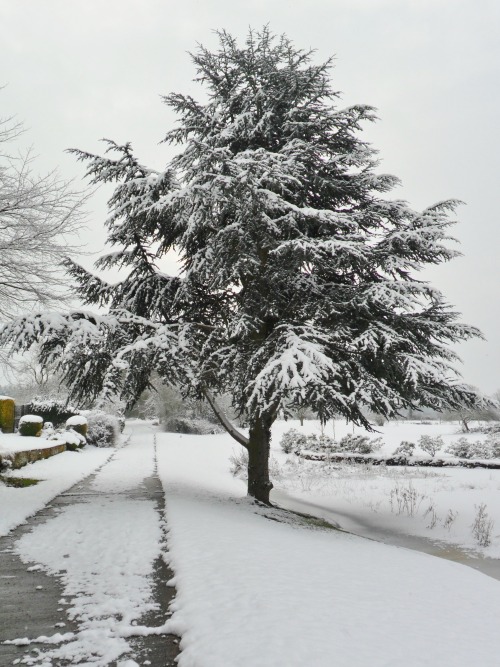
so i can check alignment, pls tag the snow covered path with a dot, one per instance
(104, 545)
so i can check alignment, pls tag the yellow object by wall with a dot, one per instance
(7, 414)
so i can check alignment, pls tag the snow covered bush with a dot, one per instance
(322, 443)
(405, 499)
(293, 441)
(103, 429)
(238, 463)
(31, 425)
(188, 425)
(482, 526)
(69, 437)
(430, 445)
(79, 424)
(359, 444)
(405, 448)
(490, 428)
(480, 449)
(493, 441)
(460, 448)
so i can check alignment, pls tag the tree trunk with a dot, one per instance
(259, 484)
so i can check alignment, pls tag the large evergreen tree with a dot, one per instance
(298, 284)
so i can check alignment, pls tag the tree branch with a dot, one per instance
(219, 413)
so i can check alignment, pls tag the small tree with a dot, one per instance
(298, 284)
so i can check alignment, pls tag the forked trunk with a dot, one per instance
(259, 441)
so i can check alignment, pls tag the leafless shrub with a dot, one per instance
(433, 517)
(482, 526)
(449, 519)
(405, 500)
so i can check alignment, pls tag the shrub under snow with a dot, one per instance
(189, 425)
(30, 425)
(78, 423)
(359, 444)
(405, 448)
(293, 441)
(480, 449)
(71, 438)
(431, 445)
(103, 429)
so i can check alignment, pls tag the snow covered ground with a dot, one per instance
(259, 587)
(435, 503)
(256, 592)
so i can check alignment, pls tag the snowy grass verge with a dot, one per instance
(260, 593)
(57, 475)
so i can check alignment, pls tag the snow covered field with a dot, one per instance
(435, 503)
(259, 587)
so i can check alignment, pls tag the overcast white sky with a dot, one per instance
(80, 70)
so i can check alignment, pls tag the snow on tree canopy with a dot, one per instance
(299, 280)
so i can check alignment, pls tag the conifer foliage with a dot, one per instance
(299, 274)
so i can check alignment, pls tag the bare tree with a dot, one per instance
(24, 379)
(39, 218)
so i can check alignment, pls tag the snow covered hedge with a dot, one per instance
(52, 410)
(189, 425)
(293, 441)
(481, 449)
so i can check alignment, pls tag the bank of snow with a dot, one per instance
(259, 593)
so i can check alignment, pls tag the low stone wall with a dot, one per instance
(20, 459)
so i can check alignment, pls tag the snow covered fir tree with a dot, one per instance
(299, 280)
